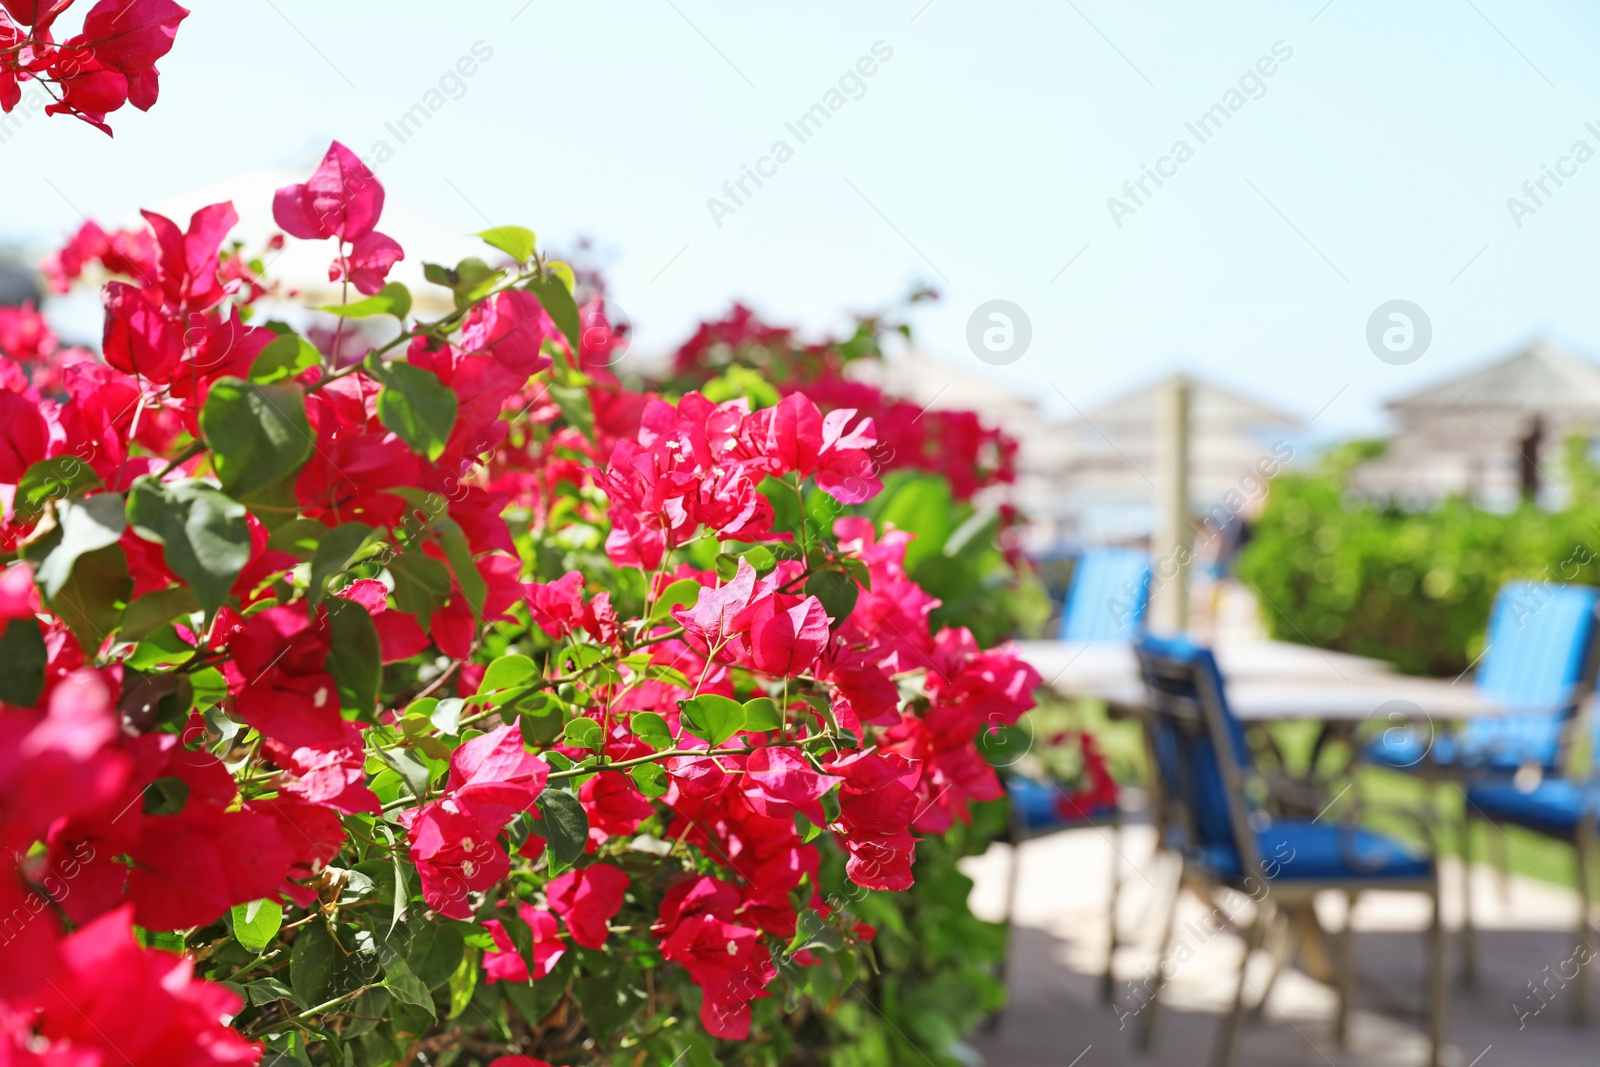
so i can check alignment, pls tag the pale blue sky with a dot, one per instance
(1376, 165)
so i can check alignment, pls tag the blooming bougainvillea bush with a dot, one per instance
(109, 62)
(413, 692)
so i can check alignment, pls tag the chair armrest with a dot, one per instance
(1425, 820)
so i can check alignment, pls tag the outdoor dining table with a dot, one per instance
(1274, 681)
(1268, 681)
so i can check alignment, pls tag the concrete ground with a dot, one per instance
(1526, 939)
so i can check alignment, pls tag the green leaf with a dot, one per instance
(51, 479)
(681, 593)
(762, 714)
(462, 983)
(205, 534)
(712, 718)
(255, 924)
(154, 610)
(164, 648)
(406, 987)
(564, 825)
(555, 296)
(838, 593)
(22, 662)
(313, 963)
(507, 672)
(338, 549)
(92, 601)
(258, 434)
(84, 526)
(446, 715)
(921, 505)
(421, 583)
(651, 729)
(393, 299)
(167, 795)
(435, 952)
(467, 577)
(470, 281)
(287, 356)
(650, 778)
(573, 400)
(412, 771)
(514, 241)
(266, 990)
(298, 537)
(761, 559)
(355, 658)
(583, 732)
(415, 404)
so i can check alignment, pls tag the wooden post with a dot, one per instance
(1170, 548)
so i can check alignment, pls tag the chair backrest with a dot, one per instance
(1537, 662)
(1110, 591)
(1199, 749)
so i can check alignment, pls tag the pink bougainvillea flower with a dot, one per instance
(19, 597)
(342, 199)
(140, 338)
(371, 256)
(614, 806)
(505, 963)
(455, 853)
(711, 622)
(784, 634)
(495, 776)
(108, 1001)
(876, 805)
(193, 853)
(187, 260)
(586, 899)
(130, 35)
(796, 437)
(781, 778)
(335, 777)
(725, 959)
(512, 328)
(24, 436)
(557, 607)
(399, 636)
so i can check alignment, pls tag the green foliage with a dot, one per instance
(204, 533)
(258, 434)
(954, 557)
(1411, 587)
(415, 405)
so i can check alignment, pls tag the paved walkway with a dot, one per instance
(1526, 935)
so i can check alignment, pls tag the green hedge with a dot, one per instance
(1414, 588)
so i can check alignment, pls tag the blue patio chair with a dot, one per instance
(1225, 839)
(1034, 813)
(1565, 809)
(1109, 593)
(1538, 659)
